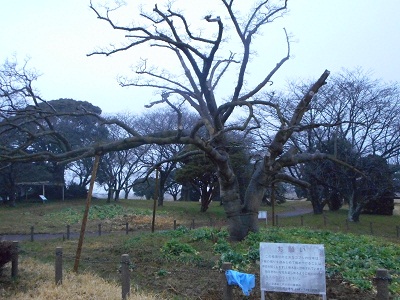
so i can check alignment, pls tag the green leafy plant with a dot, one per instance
(238, 260)
(205, 233)
(162, 272)
(179, 232)
(222, 246)
(176, 248)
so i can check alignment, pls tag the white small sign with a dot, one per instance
(292, 268)
(262, 215)
(43, 198)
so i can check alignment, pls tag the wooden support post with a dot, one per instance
(14, 259)
(192, 224)
(174, 224)
(58, 268)
(99, 226)
(125, 276)
(382, 280)
(126, 228)
(86, 213)
(155, 202)
(228, 289)
(324, 216)
(32, 233)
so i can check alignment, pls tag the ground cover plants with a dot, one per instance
(185, 263)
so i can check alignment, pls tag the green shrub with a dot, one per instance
(176, 248)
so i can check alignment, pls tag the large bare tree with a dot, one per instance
(208, 61)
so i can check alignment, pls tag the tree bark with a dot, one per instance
(316, 201)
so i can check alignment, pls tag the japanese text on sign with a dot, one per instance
(292, 268)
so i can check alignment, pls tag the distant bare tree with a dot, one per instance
(360, 118)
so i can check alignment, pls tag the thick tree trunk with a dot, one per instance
(229, 189)
(354, 213)
(242, 219)
(109, 195)
(13, 195)
(185, 193)
(255, 192)
(116, 196)
(316, 200)
(356, 205)
(161, 191)
(318, 207)
(334, 201)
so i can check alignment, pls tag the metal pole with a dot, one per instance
(86, 213)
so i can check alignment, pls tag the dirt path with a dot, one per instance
(45, 236)
(295, 212)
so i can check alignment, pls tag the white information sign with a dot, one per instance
(43, 198)
(262, 215)
(292, 268)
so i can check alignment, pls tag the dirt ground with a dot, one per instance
(208, 286)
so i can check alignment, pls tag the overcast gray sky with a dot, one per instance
(327, 34)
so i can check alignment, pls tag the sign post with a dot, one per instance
(263, 215)
(292, 268)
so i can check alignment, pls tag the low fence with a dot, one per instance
(73, 231)
(324, 222)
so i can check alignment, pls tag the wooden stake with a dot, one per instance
(58, 268)
(228, 290)
(125, 276)
(86, 213)
(14, 259)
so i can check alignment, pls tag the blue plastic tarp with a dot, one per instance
(245, 281)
